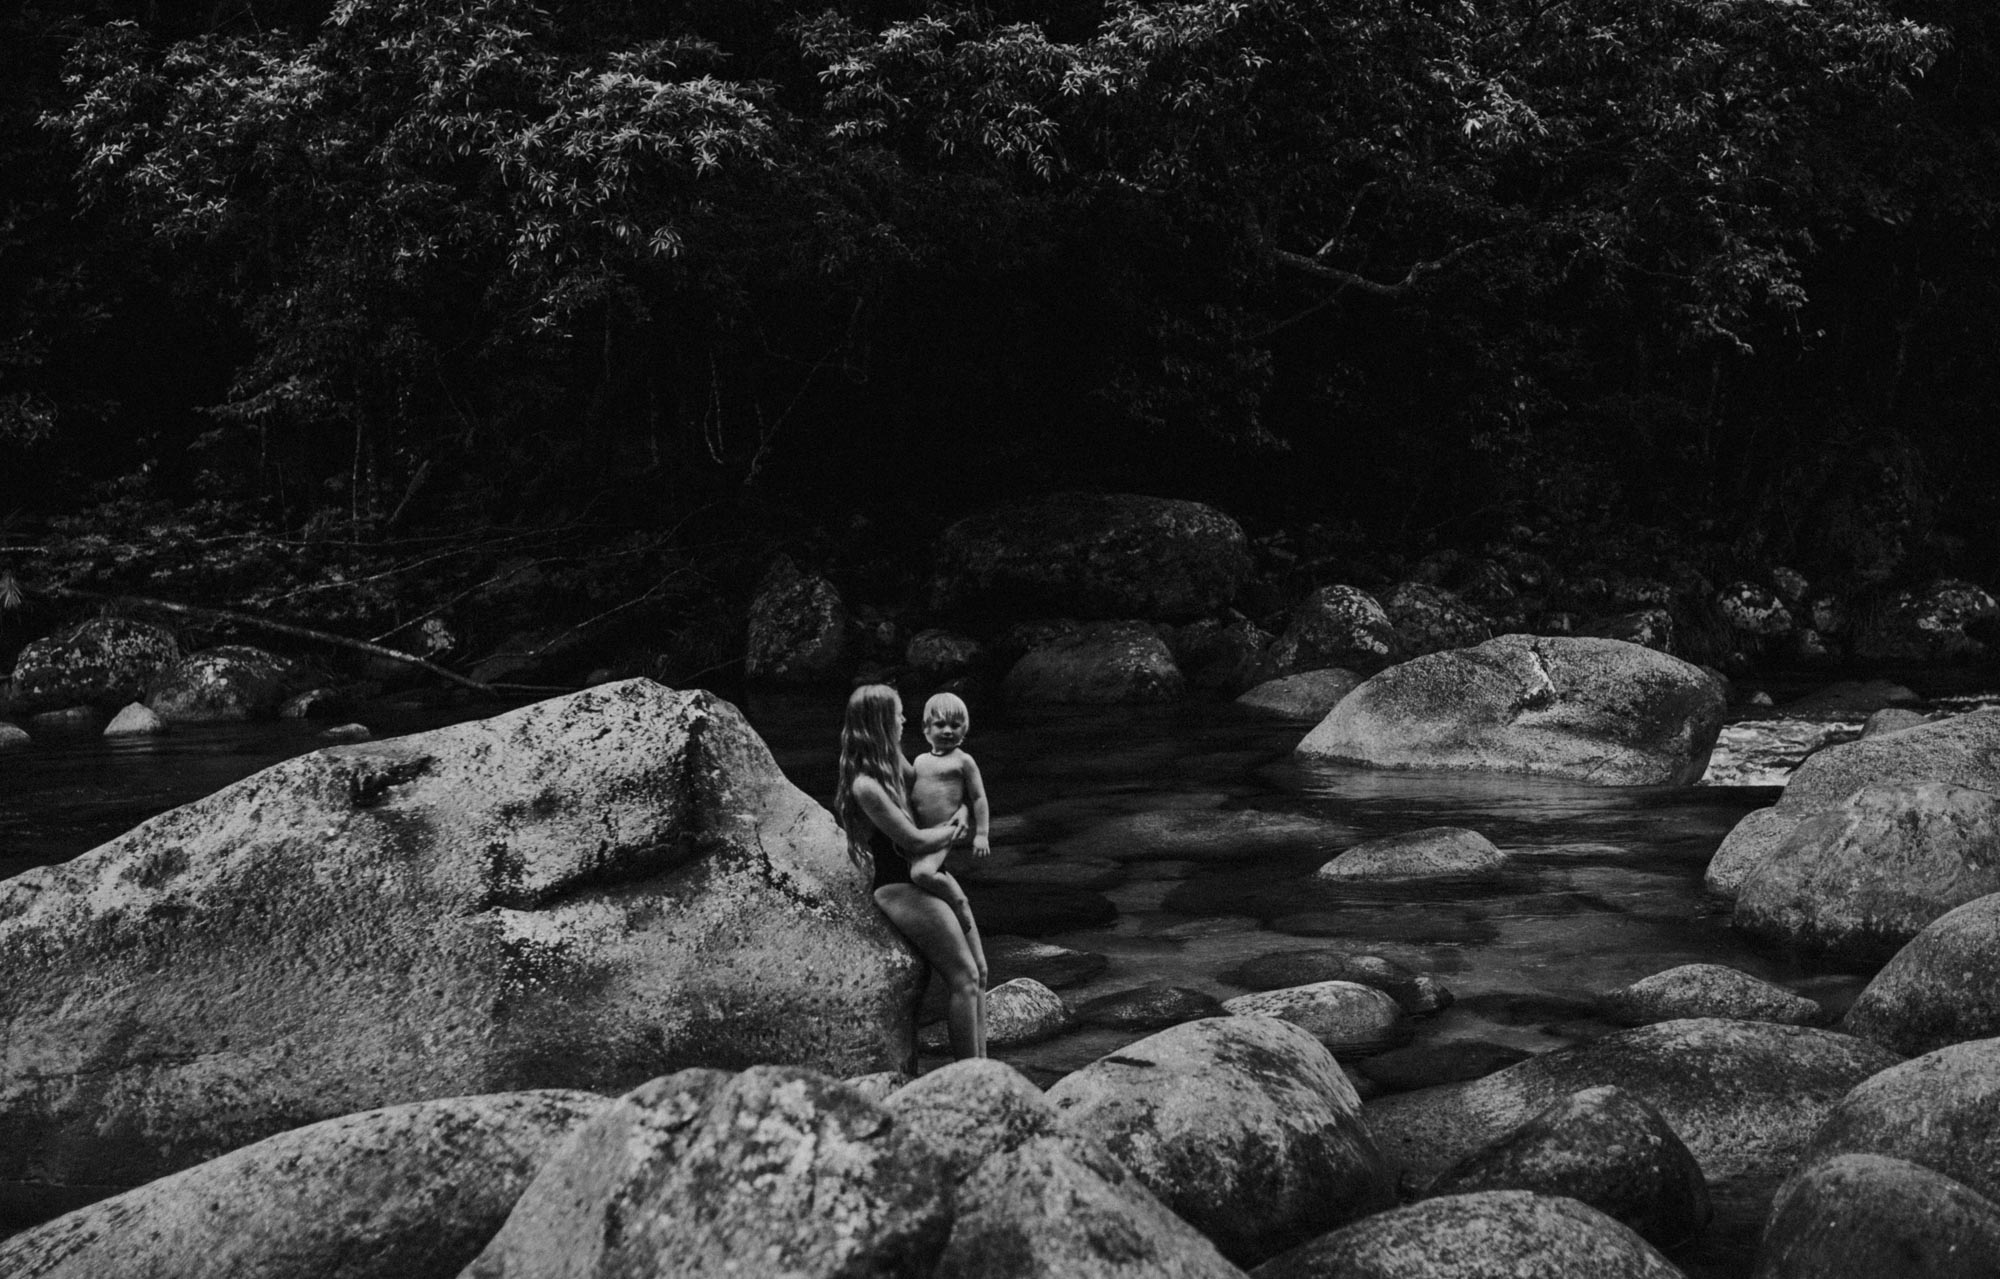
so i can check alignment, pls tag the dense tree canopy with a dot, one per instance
(334, 276)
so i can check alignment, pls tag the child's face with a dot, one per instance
(944, 734)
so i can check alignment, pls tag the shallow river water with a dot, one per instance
(1178, 843)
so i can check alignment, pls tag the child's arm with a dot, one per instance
(975, 799)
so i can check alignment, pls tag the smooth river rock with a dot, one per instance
(1941, 1110)
(1348, 1017)
(1103, 663)
(1435, 852)
(774, 1171)
(135, 720)
(1743, 1096)
(1604, 1147)
(1306, 695)
(590, 891)
(1021, 1011)
(1590, 710)
(1416, 992)
(1495, 1234)
(405, 1192)
(1709, 990)
(1244, 1126)
(1942, 988)
(1871, 1217)
(14, 737)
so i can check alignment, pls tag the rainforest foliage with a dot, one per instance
(300, 293)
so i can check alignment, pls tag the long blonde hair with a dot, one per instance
(869, 746)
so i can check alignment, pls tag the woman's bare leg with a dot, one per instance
(934, 930)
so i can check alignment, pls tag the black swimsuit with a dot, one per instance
(890, 865)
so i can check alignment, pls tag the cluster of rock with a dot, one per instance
(128, 678)
(1129, 599)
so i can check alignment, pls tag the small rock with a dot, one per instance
(318, 703)
(135, 721)
(1449, 1062)
(1155, 1006)
(1495, 1233)
(348, 733)
(70, 719)
(1892, 719)
(1435, 852)
(1753, 612)
(1306, 695)
(1347, 1017)
(1869, 1216)
(1021, 1011)
(1709, 990)
(12, 736)
(1242, 1125)
(1604, 1147)
(1416, 992)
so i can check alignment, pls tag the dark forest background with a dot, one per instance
(362, 314)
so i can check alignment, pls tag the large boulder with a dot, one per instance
(1869, 1217)
(1494, 1234)
(1244, 1126)
(229, 683)
(105, 661)
(1942, 988)
(406, 1192)
(1063, 1207)
(1709, 990)
(1428, 619)
(585, 892)
(1963, 750)
(798, 628)
(1587, 709)
(774, 1171)
(1604, 1147)
(1092, 555)
(1102, 663)
(1743, 1096)
(1858, 881)
(1339, 626)
(1941, 1110)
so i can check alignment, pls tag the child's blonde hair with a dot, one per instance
(868, 745)
(944, 706)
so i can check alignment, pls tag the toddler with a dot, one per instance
(943, 778)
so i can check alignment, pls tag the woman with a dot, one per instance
(872, 805)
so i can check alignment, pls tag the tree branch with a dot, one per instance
(1349, 279)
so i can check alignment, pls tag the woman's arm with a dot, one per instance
(896, 824)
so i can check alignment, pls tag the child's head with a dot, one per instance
(946, 721)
